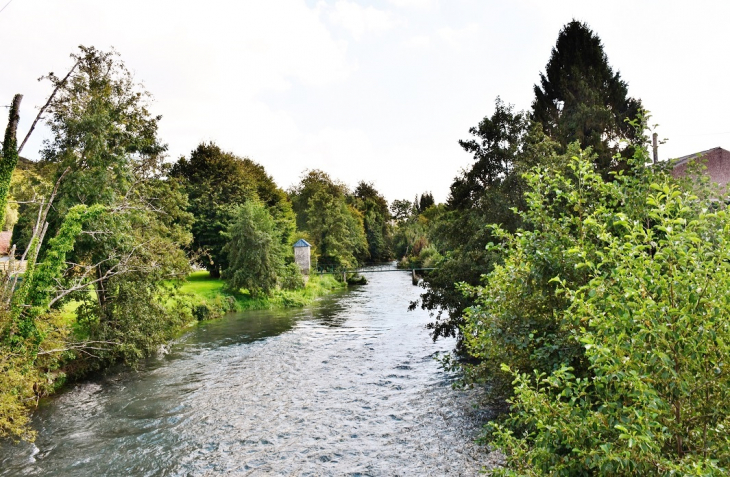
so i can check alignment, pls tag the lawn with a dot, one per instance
(204, 290)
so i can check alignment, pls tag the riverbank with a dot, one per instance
(346, 386)
(198, 298)
(209, 298)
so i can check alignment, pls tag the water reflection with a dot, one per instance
(347, 387)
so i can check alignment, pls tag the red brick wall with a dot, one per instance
(718, 166)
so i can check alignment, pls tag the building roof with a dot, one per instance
(684, 159)
(302, 243)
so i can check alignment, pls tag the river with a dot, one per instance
(348, 386)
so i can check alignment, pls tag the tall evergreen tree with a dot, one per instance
(580, 98)
(504, 146)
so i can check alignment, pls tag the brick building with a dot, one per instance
(717, 161)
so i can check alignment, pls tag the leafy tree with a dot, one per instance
(580, 98)
(335, 227)
(401, 209)
(31, 181)
(412, 242)
(618, 299)
(116, 230)
(256, 254)
(504, 145)
(105, 151)
(216, 183)
(376, 220)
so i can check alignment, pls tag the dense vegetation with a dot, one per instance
(105, 232)
(588, 289)
(609, 319)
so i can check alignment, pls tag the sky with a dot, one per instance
(378, 91)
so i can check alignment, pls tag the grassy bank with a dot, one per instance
(209, 298)
(199, 297)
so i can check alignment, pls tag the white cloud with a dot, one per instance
(359, 20)
(459, 38)
(422, 4)
(206, 67)
(419, 41)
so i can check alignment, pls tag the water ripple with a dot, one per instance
(347, 387)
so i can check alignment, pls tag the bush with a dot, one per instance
(642, 305)
(291, 277)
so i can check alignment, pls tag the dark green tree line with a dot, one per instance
(217, 183)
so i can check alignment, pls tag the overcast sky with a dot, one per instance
(379, 91)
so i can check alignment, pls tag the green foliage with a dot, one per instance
(401, 209)
(101, 127)
(376, 220)
(256, 254)
(617, 298)
(40, 281)
(117, 226)
(581, 99)
(336, 228)
(412, 238)
(504, 146)
(9, 158)
(216, 183)
(30, 181)
(291, 277)
(425, 201)
(16, 379)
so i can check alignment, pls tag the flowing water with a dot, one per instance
(348, 386)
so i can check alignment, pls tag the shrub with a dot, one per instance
(634, 380)
(291, 277)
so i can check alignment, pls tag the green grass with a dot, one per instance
(203, 289)
(211, 298)
(200, 284)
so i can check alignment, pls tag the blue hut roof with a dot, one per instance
(302, 243)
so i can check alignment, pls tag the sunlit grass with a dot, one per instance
(202, 288)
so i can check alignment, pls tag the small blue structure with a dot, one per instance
(302, 255)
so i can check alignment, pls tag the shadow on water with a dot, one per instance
(346, 387)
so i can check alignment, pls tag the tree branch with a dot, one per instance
(48, 103)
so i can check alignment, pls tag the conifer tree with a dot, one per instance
(580, 97)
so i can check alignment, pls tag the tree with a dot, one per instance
(9, 158)
(105, 151)
(256, 255)
(218, 182)
(376, 220)
(335, 227)
(503, 146)
(580, 98)
(401, 209)
(108, 235)
(425, 201)
(610, 318)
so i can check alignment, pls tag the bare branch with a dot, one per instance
(83, 347)
(55, 191)
(82, 281)
(48, 103)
